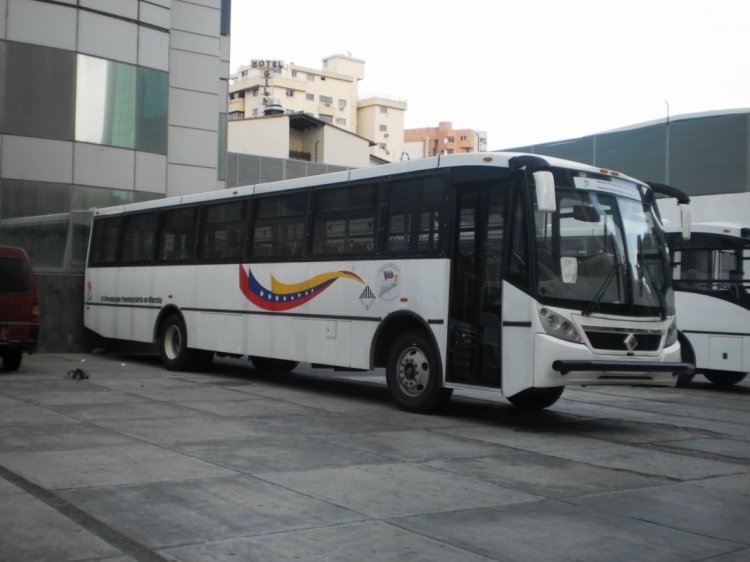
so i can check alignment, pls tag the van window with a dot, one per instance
(13, 278)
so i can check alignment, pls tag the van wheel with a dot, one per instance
(536, 398)
(413, 374)
(12, 359)
(173, 348)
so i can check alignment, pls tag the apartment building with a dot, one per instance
(103, 103)
(443, 139)
(329, 94)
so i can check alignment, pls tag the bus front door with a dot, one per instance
(474, 355)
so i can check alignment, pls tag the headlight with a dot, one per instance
(558, 327)
(671, 337)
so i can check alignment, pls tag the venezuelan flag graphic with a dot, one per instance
(285, 296)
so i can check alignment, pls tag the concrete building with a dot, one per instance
(443, 139)
(103, 103)
(706, 154)
(330, 94)
(298, 136)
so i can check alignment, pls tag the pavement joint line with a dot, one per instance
(100, 529)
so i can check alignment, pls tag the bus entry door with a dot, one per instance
(476, 282)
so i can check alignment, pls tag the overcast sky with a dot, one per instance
(525, 71)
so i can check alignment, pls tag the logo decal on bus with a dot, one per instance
(389, 277)
(286, 296)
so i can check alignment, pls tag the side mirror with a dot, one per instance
(545, 191)
(686, 219)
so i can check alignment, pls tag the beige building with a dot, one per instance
(443, 139)
(330, 94)
(299, 136)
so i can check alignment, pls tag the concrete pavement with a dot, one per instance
(139, 463)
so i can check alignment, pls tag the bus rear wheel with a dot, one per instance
(536, 398)
(413, 374)
(173, 348)
(725, 378)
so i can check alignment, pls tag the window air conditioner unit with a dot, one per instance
(385, 135)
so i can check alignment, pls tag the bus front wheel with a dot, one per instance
(536, 398)
(173, 348)
(413, 374)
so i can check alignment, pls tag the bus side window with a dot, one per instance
(343, 221)
(223, 231)
(139, 237)
(413, 222)
(104, 241)
(279, 226)
(177, 237)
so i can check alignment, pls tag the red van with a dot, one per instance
(19, 307)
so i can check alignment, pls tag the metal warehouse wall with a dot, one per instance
(707, 154)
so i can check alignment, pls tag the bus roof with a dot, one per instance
(738, 230)
(495, 159)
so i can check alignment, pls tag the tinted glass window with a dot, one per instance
(344, 220)
(37, 89)
(139, 237)
(118, 104)
(177, 238)
(223, 232)
(13, 277)
(279, 228)
(414, 207)
(104, 241)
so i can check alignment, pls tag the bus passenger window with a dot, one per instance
(344, 221)
(413, 223)
(138, 238)
(223, 231)
(279, 228)
(177, 238)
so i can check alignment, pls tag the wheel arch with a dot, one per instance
(686, 348)
(163, 314)
(391, 328)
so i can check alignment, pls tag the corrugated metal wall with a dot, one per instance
(702, 155)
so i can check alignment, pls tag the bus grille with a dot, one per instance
(615, 341)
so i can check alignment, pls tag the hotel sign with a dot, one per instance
(266, 64)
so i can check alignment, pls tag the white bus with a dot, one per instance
(512, 273)
(712, 298)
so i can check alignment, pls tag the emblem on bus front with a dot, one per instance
(631, 342)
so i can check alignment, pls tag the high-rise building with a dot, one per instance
(103, 103)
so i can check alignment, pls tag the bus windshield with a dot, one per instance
(603, 250)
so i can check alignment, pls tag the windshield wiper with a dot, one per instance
(594, 303)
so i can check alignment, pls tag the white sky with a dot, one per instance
(525, 71)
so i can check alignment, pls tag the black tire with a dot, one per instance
(268, 365)
(725, 379)
(413, 374)
(12, 359)
(203, 359)
(688, 356)
(536, 398)
(173, 344)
